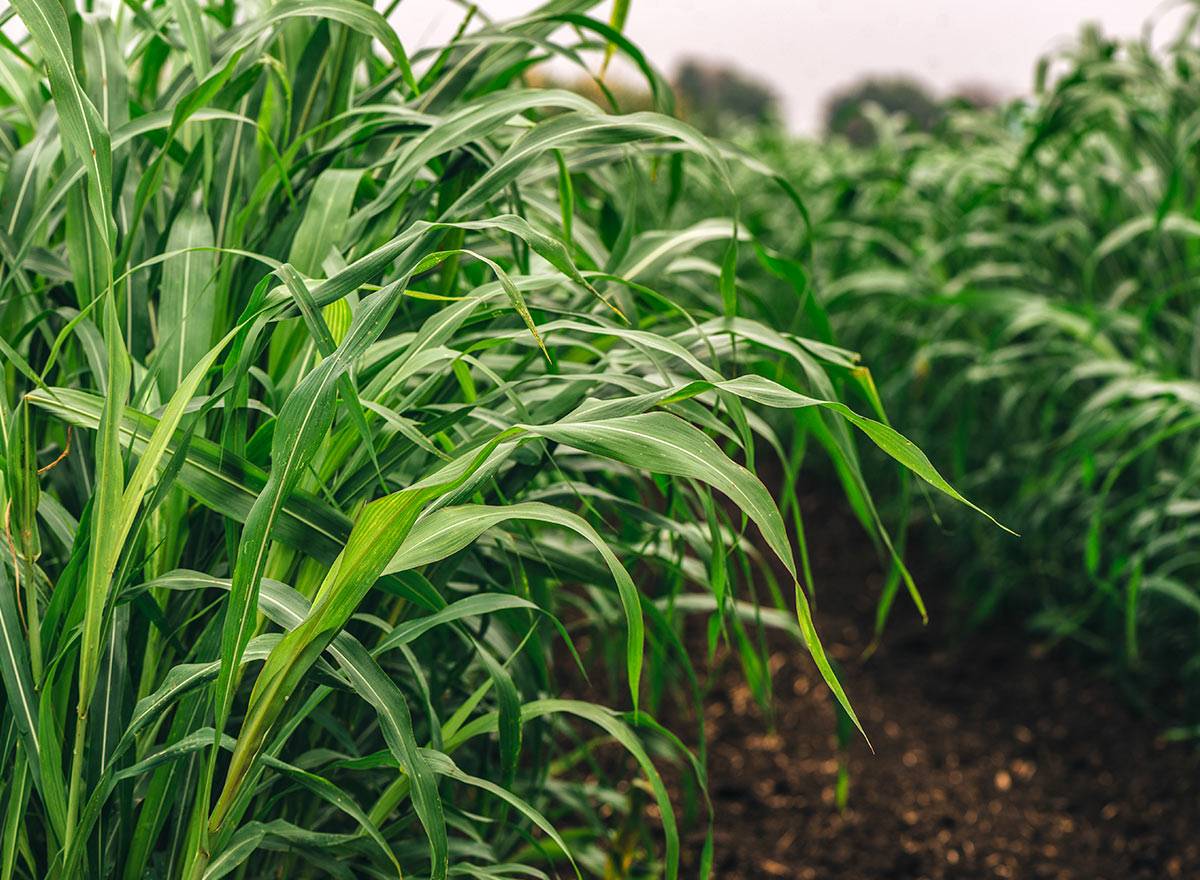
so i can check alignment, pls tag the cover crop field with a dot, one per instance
(364, 406)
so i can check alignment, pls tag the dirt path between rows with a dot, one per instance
(989, 762)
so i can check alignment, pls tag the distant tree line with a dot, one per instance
(847, 111)
(718, 98)
(713, 97)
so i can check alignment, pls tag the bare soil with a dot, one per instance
(990, 761)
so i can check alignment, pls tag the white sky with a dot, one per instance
(807, 48)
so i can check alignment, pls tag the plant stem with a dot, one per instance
(76, 775)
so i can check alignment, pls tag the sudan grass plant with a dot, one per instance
(337, 384)
(1030, 275)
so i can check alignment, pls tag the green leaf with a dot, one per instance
(448, 530)
(83, 130)
(187, 301)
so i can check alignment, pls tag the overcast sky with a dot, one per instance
(808, 48)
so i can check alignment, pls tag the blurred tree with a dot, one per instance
(845, 116)
(713, 96)
(977, 96)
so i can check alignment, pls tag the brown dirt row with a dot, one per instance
(990, 762)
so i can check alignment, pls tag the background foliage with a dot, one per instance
(1030, 276)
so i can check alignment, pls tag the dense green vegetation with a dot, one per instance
(342, 394)
(1031, 278)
